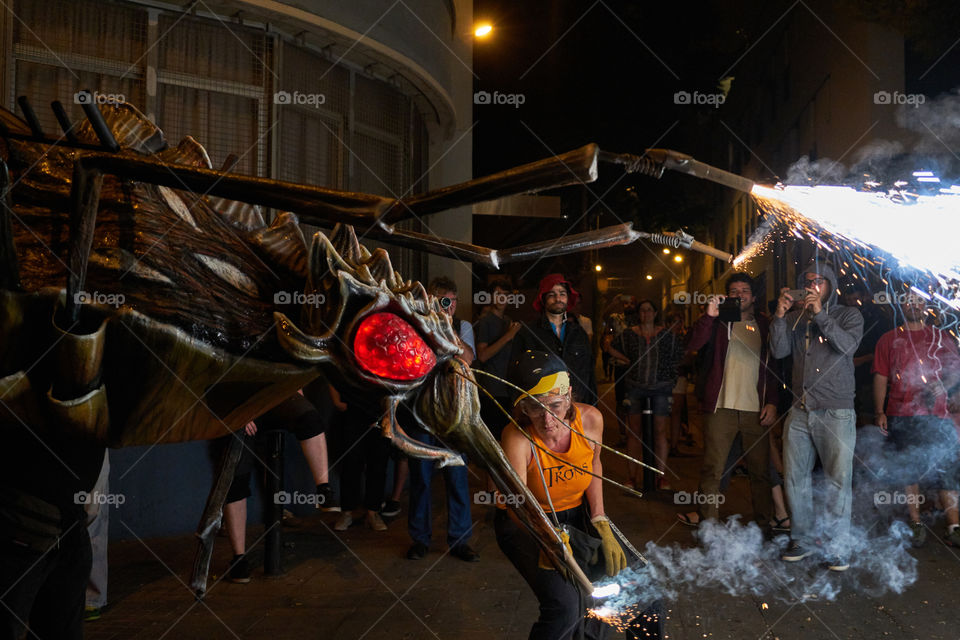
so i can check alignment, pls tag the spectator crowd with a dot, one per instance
(784, 396)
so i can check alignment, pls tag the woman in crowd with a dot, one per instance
(652, 353)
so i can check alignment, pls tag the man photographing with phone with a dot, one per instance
(822, 336)
(739, 395)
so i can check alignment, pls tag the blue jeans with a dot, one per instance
(420, 520)
(831, 434)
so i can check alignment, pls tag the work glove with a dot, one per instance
(543, 561)
(613, 555)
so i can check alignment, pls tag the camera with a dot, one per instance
(445, 302)
(729, 310)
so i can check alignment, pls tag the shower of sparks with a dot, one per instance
(911, 236)
(918, 235)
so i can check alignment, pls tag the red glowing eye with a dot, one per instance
(388, 347)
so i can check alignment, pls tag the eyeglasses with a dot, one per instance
(556, 406)
(817, 280)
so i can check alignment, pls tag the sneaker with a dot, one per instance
(417, 551)
(327, 499)
(91, 613)
(918, 534)
(390, 508)
(836, 563)
(375, 522)
(465, 552)
(343, 522)
(953, 537)
(795, 552)
(239, 571)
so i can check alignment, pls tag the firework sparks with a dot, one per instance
(918, 235)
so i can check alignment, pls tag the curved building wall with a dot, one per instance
(346, 95)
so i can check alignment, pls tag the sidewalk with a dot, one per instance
(359, 585)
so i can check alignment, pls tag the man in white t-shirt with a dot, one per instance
(739, 396)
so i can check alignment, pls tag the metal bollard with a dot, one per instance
(273, 510)
(649, 476)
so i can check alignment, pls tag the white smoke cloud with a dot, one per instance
(738, 560)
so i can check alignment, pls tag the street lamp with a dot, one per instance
(678, 258)
(483, 30)
(599, 268)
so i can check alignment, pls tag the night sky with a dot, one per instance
(607, 72)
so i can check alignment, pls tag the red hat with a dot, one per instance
(549, 283)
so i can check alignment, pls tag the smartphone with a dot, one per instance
(797, 294)
(729, 310)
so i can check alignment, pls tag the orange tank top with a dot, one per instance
(566, 481)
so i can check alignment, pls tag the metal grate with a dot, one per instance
(81, 29)
(313, 129)
(223, 123)
(60, 48)
(213, 80)
(379, 165)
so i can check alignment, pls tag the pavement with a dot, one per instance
(358, 584)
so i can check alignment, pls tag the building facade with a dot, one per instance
(362, 96)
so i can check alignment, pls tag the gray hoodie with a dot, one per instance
(822, 346)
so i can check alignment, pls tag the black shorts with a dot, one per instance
(924, 449)
(296, 414)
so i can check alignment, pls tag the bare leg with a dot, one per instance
(661, 427)
(779, 507)
(635, 448)
(315, 451)
(235, 521)
(949, 500)
(675, 416)
(400, 473)
(913, 497)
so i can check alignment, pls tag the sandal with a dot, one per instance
(777, 524)
(687, 520)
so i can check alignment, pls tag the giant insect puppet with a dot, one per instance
(144, 299)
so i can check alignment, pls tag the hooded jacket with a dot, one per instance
(822, 346)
